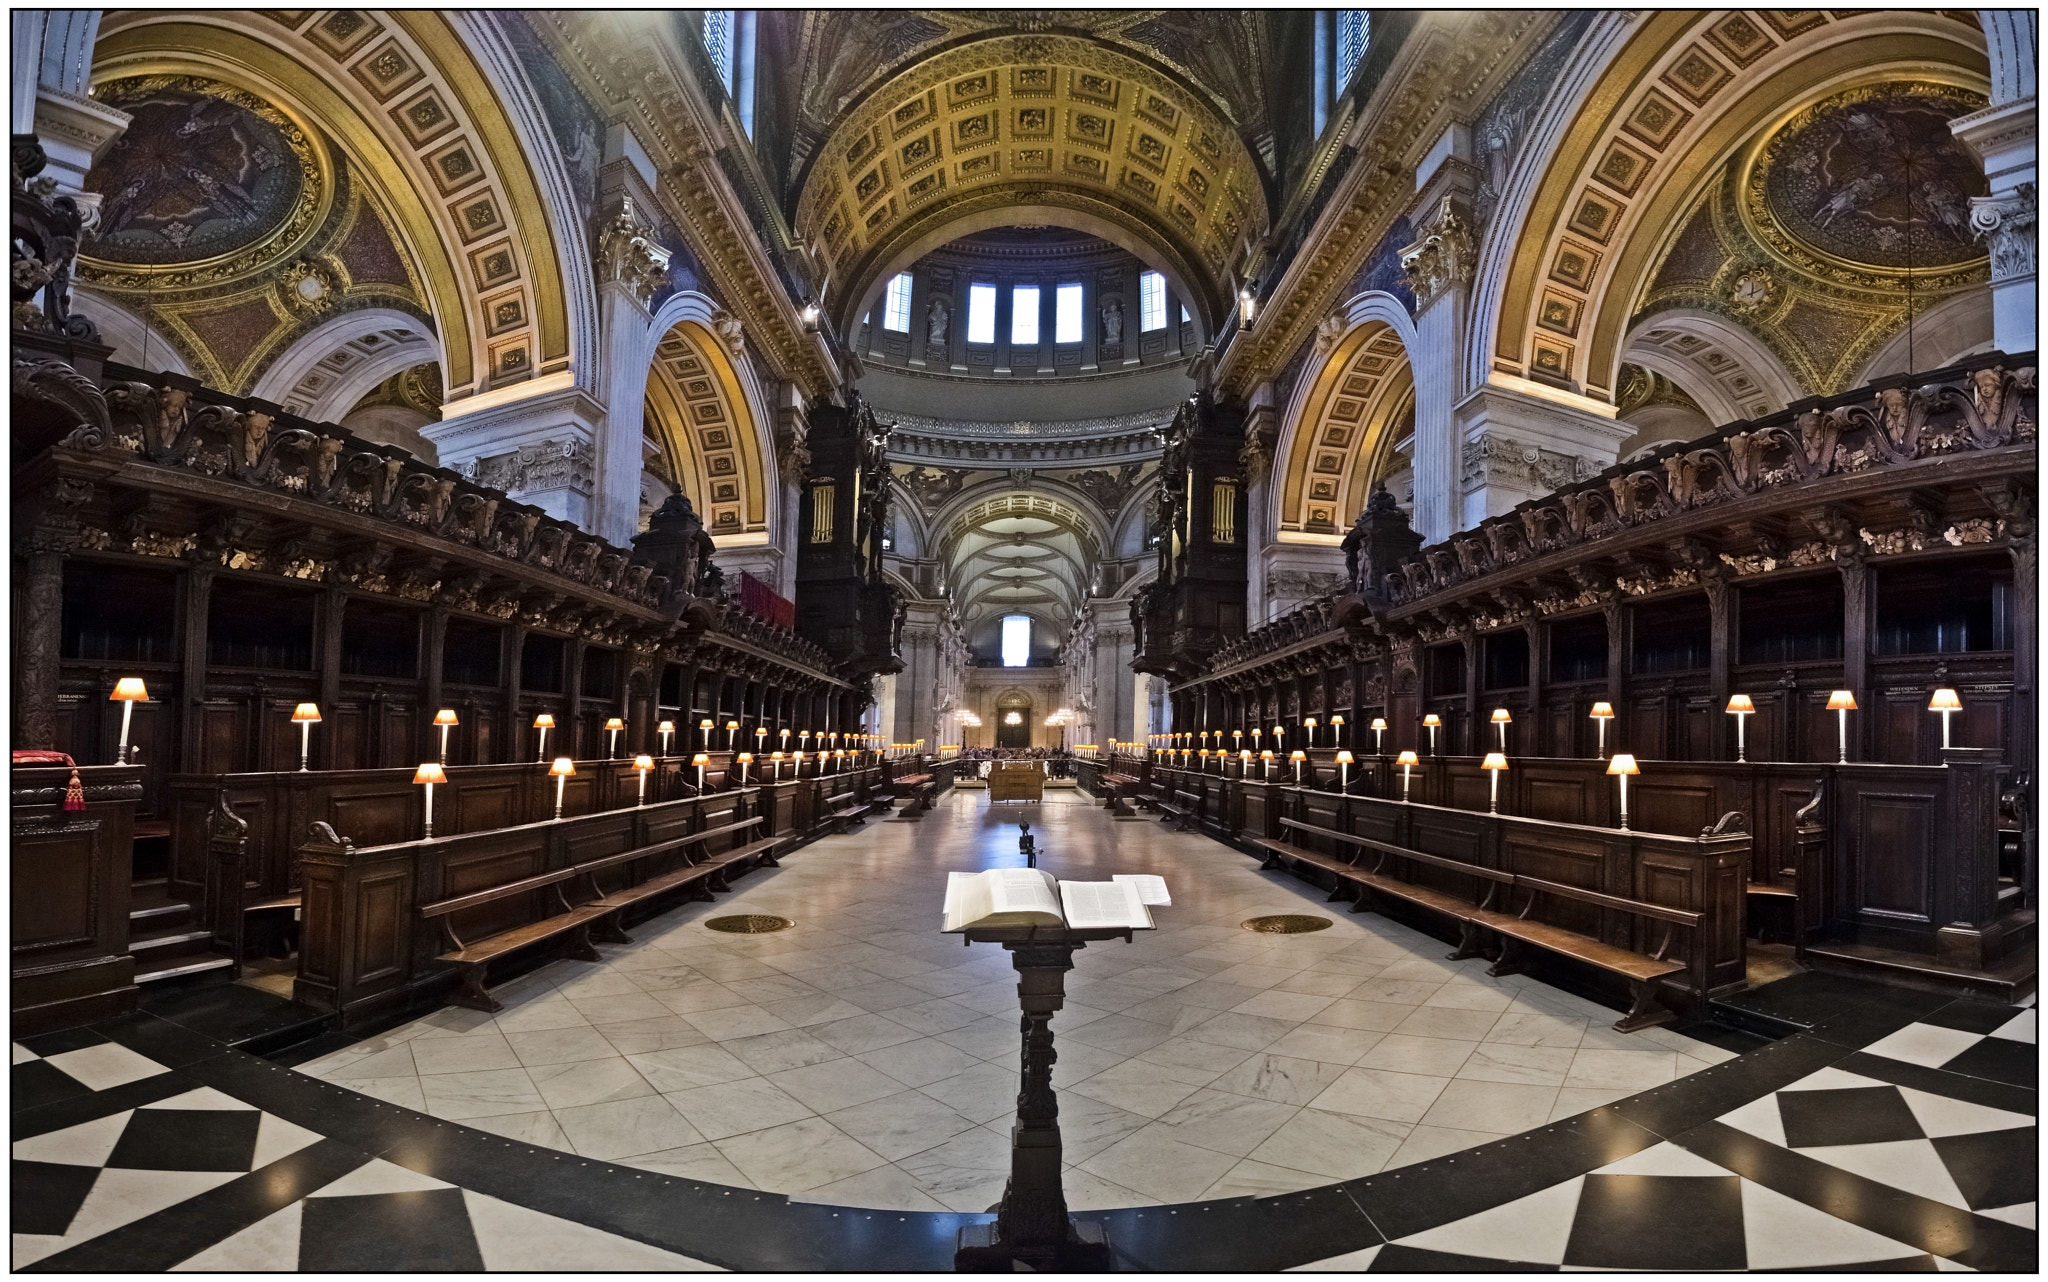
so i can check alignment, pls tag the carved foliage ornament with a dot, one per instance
(1442, 255)
(628, 254)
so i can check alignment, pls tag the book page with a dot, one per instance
(1151, 890)
(1092, 904)
(1000, 897)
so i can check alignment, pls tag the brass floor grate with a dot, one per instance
(751, 924)
(1287, 924)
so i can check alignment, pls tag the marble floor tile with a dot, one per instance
(921, 1061)
(462, 1054)
(621, 1006)
(729, 1023)
(1432, 1056)
(1503, 1108)
(683, 1067)
(1087, 1125)
(1087, 1191)
(1154, 1163)
(1142, 1088)
(1635, 1069)
(1336, 1146)
(837, 1084)
(1573, 1100)
(593, 1081)
(1366, 1016)
(480, 1094)
(1279, 1004)
(538, 1128)
(1372, 1092)
(1124, 1034)
(1427, 1143)
(1245, 1032)
(1326, 1042)
(1536, 1028)
(736, 1108)
(1225, 1122)
(395, 1061)
(1281, 1079)
(1448, 1022)
(933, 1017)
(620, 1128)
(699, 994)
(773, 1052)
(983, 1092)
(638, 1036)
(992, 1037)
(406, 1092)
(898, 1125)
(560, 1045)
(858, 1033)
(886, 1186)
(1186, 1053)
(798, 1155)
(1259, 1179)
(1528, 1065)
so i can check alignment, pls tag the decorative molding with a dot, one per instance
(2007, 222)
(627, 254)
(1441, 257)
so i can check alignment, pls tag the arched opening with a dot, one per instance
(1013, 720)
(705, 440)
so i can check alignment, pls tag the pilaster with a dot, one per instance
(2005, 137)
(1520, 443)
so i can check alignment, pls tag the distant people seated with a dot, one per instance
(1056, 762)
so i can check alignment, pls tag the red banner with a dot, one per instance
(761, 601)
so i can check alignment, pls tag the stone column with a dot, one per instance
(1439, 268)
(630, 267)
(1255, 462)
(52, 71)
(2003, 136)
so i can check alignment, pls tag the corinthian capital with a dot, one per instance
(627, 254)
(2007, 222)
(1442, 255)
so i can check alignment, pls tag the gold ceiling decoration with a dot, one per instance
(1344, 438)
(706, 432)
(1046, 123)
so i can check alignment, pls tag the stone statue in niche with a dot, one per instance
(1112, 320)
(938, 318)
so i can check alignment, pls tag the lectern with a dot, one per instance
(1032, 1226)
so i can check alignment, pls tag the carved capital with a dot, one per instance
(627, 255)
(1442, 254)
(2007, 223)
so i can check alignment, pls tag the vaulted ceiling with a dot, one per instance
(1020, 554)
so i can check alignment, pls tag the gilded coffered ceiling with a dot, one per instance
(1819, 237)
(1053, 129)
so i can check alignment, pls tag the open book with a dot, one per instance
(1030, 897)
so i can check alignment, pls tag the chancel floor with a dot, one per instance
(838, 1095)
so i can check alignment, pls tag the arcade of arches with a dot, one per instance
(679, 382)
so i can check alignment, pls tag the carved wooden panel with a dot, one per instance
(1681, 809)
(382, 929)
(1894, 853)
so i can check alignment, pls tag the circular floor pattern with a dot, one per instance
(1287, 924)
(749, 924)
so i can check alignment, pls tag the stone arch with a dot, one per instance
(1723, 366)
(1059, 128)
(135, 341)
(1337, 435)
(413, 124)
(1942, 335)
(711, 419)
(328, 369)
(1678, 98)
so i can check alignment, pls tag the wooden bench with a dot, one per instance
(1120, 788)
(1476, 920)
(842, 815)
(576, 920)
(923, 791)
(1184, 809)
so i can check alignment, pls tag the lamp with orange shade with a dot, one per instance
(1495, 763)
(305, 714)
(1337, 731)
(1742, 708)
(1946, 702)
(445, 719)
(1842, 703)
(666, 730)
(1500, 723)
(1297, 757)
(1602, 713)
(1621, 768)
(700, 761)
(1343, 770)
(1266, 763)
(1431, 722)
(1310, 727)
(611, 741)
(430, 773)
(745, 759)
(128, 692)
(1407, 761)
(643, 763)
(1379, 736)
(543, 723)
(561, 770)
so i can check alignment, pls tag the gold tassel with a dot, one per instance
(74, 792)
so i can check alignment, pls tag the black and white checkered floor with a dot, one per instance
(141, 1146)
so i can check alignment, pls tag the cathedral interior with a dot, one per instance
(1523, 519)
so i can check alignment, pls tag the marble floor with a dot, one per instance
(862, 1059)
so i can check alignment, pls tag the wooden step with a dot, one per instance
(157, 943)
(183, 968)
(157, 915)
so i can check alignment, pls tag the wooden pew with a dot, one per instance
(1643, 973)
(922, 789)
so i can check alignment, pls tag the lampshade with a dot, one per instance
(1246, 755)
(1623, 764)
(1494, 761)
(643, 762)
(1279, 729)
(1432, 720)
(701, 759)
(1266, 754)
(615, 723)
(1501, 714)
(1297, 755)
(1345, 756)
(543, 722)
(1379, 723)
(1842, 701)
(1337, 721)
(732, 725)
(666, 727)
(562, 766)
(775, 756)
(746, 756)
(306, 712)
(1311, 721)
(129, 690)
(1945, 701)
(1741, 703)
(1603, 710)
(1408, 759)
(430, 772)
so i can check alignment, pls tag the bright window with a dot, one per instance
(1151, 301)
(1066, 315)
(1024, 316)
(896, 307)
(981, 313)
(1017, 640)
(1354, 36)
(1184, 317)
(718, 42)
